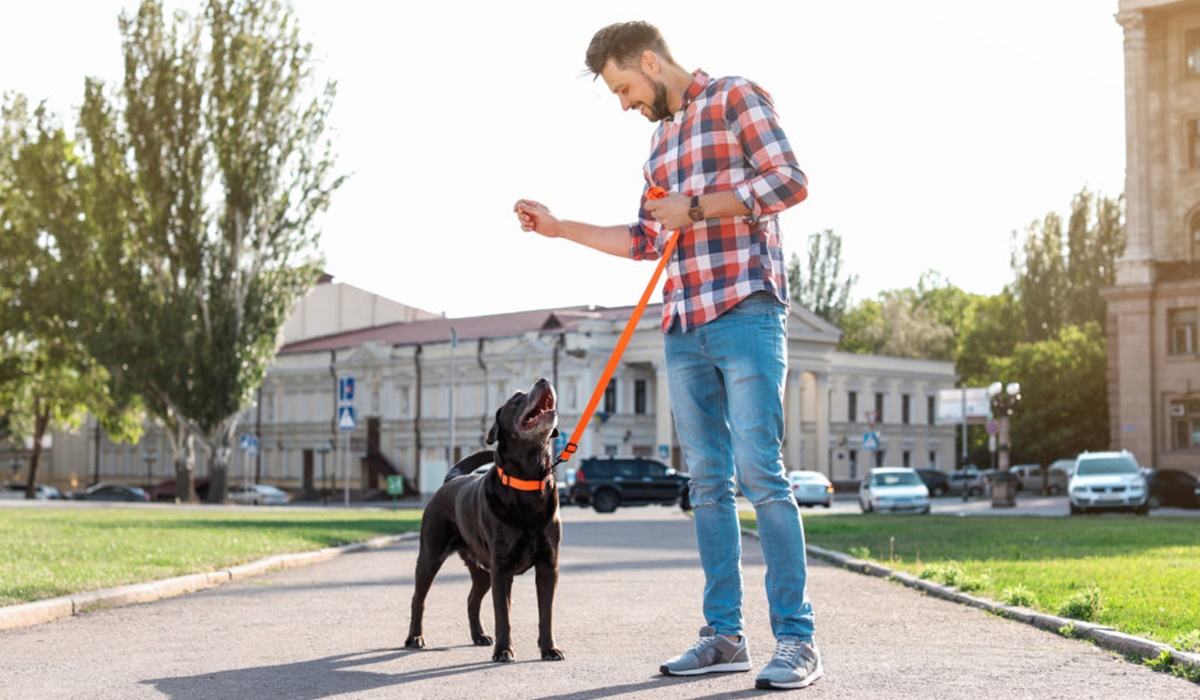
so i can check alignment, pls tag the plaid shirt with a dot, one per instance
(725, 137)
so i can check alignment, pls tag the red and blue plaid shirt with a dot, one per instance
(724, 137)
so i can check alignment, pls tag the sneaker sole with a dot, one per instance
(715, 668)
(768, 684)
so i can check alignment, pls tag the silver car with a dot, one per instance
(1108, 481)
(811, 488)
(893, 490)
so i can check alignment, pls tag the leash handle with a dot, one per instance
(655, 192)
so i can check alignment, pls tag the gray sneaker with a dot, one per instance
(712, 654)
(796, 664)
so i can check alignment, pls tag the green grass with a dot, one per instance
(1138, 575)
(52, 552)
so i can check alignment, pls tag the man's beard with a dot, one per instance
(659, 110)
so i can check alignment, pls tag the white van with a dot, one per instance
(1029, 478)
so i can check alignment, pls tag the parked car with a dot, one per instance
(1067, 465)
(258, 495)
(936, 480)
(165, 491)
(113, 492)
(1173, 488)
(1029, 478)
(894, 490)
(606, 483)
(965, 481)
(1107, 481)
(41, 492)
(811, 488)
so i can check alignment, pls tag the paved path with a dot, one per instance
(628, 599)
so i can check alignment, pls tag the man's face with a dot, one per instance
(637, 90)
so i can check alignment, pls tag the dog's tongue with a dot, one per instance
(541, 412)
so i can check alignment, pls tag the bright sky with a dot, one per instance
(929, 131)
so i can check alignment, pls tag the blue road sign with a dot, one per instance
(345, 417)
(249, 444)
(345, 390)
(871, 441)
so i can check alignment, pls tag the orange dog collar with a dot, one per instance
(520, 484)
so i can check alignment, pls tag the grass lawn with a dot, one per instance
(1139, 575)
(49, 552)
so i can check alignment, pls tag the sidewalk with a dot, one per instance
(628, 598)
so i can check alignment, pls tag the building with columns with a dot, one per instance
(1153, 309)
(414, 370)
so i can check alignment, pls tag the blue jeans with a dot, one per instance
(726, 381)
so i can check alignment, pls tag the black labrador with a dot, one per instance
(502, 522)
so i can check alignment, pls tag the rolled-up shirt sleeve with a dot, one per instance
(778, 183)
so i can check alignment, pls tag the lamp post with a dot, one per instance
(1004, 398)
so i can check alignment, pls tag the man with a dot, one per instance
(720, 153)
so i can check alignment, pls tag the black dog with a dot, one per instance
(502, 522)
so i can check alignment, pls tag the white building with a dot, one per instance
(409, 374)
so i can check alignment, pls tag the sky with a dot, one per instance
(930, 131)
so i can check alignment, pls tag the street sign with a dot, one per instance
(993, 427)
(395, 485)
(345, 418)
(249, 444)
(870, 441)
(345, 390)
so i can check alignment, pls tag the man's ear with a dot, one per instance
(494, 433)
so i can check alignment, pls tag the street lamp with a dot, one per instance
(1004, 398)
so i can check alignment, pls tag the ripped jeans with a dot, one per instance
(726, 382)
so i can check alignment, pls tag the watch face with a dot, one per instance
(696, 214)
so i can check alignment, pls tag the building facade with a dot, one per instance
(413, 374)
(1153, 309)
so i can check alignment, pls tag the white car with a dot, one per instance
(258, 495)
(893, 490)
(1108, 481)
(811, 488)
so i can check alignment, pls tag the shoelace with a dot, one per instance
(787, 650)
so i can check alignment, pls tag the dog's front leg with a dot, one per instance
(502, 605)
(481, 581)
(547, 581)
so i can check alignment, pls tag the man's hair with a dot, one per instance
(624, 42)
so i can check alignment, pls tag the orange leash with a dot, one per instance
(619, 350)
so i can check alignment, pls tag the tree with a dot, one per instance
(915, 323)
(818, 284)
(225, 170)
(1063, 409)
(49, 378)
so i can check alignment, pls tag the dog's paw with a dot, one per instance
(482, 640)
(504, 656)
(553, 654)
(414, 643)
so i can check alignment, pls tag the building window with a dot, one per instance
(853, 464)
(1191, 43)
(879, 458)
(905, 411)
(851, 406)
(906, 458)
(1193, 143)
(878, 407)
(930, 409)
(1194, 229)
(1181, 327)
(610, 398)
(1185, 423)
(639, 397)
(933, 462)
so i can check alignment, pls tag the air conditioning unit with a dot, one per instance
(1178, 410)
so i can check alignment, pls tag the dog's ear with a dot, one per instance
(494, 433)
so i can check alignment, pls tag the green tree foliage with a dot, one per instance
(221, 168)
(1064, 407)
(914, 323)
(48, 377)
(817, 283)
(1059, 282)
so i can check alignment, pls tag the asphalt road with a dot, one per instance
(627, 600)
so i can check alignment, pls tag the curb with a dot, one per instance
(1103, 636)
(51, 609)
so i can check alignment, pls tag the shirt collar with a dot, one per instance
(700, 80)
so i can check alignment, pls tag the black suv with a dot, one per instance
(607, 482)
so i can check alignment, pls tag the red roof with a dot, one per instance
(471, 328)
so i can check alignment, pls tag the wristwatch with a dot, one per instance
(695, 211)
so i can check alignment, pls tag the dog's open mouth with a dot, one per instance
(541, 413)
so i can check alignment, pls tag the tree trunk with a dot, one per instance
(221, 448)
(41, 421)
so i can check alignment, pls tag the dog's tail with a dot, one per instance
(466, 465)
